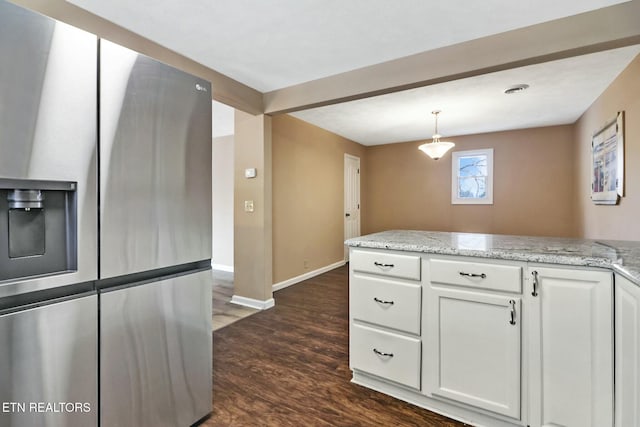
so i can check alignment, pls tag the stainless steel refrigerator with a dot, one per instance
(105, 232)
(48, 222)
(155, 242)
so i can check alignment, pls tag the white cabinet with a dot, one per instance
(627, 345)
(387, 264)
(496, 342)
(385, 296)
(476, 275)
(385, 354)
(387, 303)
(571, 345)
(472, 349)
(473, 337)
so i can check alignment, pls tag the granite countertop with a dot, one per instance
(622, 257)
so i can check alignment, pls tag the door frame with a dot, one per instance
(348, 157)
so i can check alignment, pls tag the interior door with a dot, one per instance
(351, 199)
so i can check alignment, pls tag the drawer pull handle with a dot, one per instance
(380, 353)
(379, 264)
(535, 283)
(512, 312)
(382, 302)
(482, 275)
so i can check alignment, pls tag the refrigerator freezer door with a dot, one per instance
(49, 365)
(155, 164)
(156, 353)
(48, 125)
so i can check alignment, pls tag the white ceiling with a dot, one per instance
(274, 44)
(559, 93)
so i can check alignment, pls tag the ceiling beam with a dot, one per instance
(224, 89)
(602, 29)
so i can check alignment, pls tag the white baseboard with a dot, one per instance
(253, 303)
(222, 267)
(305, 276)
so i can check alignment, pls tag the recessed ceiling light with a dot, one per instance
(516, 89)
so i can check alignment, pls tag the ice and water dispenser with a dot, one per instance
(40, 223)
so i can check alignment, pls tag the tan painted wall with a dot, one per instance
(308, 196)
(611, 222)
(533, 175)
(252, 230)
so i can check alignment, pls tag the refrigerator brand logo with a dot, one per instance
(200, 88)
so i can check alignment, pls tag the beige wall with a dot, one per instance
(611, 222)
(252, 230)
(308, 196)
(533, 175)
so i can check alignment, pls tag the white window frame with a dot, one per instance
(455, 156)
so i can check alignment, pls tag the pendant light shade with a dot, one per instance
(436, 148)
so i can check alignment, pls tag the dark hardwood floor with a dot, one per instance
(289, 366)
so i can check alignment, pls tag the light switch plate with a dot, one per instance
(248, 205)
(250, 173)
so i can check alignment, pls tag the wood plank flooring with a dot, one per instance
(224, 312)
(289, 366)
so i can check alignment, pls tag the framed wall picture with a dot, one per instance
(607, 153)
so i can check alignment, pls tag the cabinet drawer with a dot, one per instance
(387, 355)
(386, 264)
(387, 303)
(507, 278)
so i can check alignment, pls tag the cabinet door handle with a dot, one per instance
(382, 302)
(379, 264)
(512, 312)
(380, 353)
(481, 275)
(535, 283)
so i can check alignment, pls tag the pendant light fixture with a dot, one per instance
(436, 148)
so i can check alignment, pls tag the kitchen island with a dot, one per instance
(498, 330)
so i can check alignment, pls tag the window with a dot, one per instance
(472, 177)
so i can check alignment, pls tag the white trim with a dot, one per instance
(253, 303)
(222, 267)
(305, 276)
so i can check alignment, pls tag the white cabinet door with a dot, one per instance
(627, 339)
(571, 346)
(473, 349)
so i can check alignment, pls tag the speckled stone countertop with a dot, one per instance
(622, 257)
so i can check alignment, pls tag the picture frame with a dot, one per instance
(607, 160)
